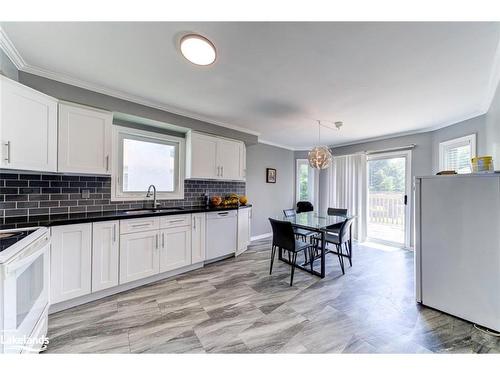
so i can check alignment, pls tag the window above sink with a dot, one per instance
(145, 158)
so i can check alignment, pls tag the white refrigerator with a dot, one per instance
(457, 246)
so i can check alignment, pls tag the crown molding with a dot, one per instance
(279, 145)
(10, 50)
(411, 132)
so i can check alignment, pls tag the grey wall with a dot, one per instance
(82, 96)
(268, 200)
(7, 68)
(493, 129)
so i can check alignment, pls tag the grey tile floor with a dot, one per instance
(234, 306)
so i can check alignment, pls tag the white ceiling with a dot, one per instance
(277, 78)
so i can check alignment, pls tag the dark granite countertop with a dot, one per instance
(89, 217)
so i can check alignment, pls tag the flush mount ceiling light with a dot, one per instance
(198, 49)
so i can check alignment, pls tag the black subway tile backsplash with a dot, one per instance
(43, 194)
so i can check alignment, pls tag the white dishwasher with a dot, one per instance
(222, 228)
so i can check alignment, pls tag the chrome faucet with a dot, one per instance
(155, 205)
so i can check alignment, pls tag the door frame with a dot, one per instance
(407, 154)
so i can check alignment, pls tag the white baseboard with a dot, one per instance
(119, 288)
(261, 236)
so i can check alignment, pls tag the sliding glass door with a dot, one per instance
(389, 185)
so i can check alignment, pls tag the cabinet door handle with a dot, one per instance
(114, 232)
(222, 171)
(163, 240)
(7, 144)
(194, 223)
(156, 238)
(107, 163)
(218, 171)
(139, 225)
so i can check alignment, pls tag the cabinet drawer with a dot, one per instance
(173, 221)
(139, 225)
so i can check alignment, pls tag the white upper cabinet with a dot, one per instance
(28, 128)
(201, 156)
(216, 158)
(84, 139)
(228, 159)
(243, 161)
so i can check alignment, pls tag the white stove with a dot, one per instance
(24, 289)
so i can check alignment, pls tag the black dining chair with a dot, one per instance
(337, 211)
(284, 239)
(342, 238)
(335, 228)
(304, 206)
(299, 232)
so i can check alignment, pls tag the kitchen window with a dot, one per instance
(456, 154)
(146, 158)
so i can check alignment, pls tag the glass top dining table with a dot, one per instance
(314, 221)
(319, 223)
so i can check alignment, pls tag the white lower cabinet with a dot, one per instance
(70, 261)
(139, 255)
(175, 248)
(105, 255)
(244, 225)
(198, 241)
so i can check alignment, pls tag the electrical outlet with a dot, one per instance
(85, 194)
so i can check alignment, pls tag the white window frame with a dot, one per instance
(452, 143)
(312, 184)
(119, 133)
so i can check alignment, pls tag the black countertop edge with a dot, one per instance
(89, 217)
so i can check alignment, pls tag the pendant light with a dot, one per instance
(320, 157)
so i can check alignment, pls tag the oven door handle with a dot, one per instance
(23, 260)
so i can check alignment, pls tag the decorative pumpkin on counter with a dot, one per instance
(215, 200)
(243, 200)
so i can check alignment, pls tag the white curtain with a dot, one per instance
(347, 189)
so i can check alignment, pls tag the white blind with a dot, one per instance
(458, 158)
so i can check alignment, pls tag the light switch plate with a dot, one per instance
(85, 193)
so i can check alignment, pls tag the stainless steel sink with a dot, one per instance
(151, 210)
(169, 209)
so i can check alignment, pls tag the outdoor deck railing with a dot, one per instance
(386, 208)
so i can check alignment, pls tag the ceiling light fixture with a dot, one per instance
(320, 157)
(198, 49)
